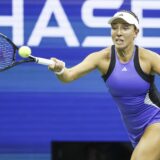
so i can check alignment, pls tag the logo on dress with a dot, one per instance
(124, 69)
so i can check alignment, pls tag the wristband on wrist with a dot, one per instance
(61, 71)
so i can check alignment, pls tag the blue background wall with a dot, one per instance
(35, 108)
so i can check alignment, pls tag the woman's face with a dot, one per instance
(123, 34)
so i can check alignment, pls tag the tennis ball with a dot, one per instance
(24, 51)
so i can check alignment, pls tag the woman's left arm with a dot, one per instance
(155, 62)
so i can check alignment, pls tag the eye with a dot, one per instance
(114, 27)
(125, 27)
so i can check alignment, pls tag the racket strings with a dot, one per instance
(6, 53)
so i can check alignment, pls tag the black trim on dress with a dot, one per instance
(111, 65)
(146, 77)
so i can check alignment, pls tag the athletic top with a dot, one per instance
(135, 93)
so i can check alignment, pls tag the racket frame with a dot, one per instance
(15, 48)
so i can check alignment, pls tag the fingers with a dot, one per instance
(58, 66)
(52, 66)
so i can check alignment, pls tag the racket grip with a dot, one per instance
(44, 61)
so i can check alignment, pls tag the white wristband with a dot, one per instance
(62, 70)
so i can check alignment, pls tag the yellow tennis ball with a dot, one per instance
(24, 51)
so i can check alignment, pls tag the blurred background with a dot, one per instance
(40, 117)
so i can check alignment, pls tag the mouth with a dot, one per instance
(119, 41)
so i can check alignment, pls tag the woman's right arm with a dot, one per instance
(91, 62)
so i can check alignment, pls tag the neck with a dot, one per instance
(126, 53)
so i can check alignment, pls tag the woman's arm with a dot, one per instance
(150, 61)
(91, 62)
(155, 62)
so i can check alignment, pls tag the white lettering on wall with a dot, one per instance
(64, 28)
(138, 6)
(16, 21)
(97, 22)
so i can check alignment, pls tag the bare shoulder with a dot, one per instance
(146, 53)
(149, 61)
(103, 59)
(103, 54)
(148, 56)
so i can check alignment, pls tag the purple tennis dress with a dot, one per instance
(135, 93)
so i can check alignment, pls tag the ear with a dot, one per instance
(136, 32)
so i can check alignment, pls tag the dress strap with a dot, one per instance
(111, 65)
(146, 77)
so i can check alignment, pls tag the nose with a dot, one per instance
(119, 32)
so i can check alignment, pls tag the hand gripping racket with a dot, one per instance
(8, 55)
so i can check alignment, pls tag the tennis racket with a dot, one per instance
(9, 57)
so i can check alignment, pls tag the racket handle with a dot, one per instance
(43, 61)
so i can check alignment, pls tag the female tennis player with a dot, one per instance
(128, 70)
